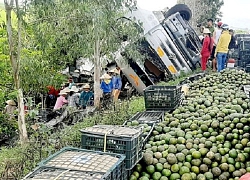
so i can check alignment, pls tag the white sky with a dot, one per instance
(235, 13)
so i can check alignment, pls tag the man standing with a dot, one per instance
(222, 47)
(210, 25)
(216, 37)
(117, 84)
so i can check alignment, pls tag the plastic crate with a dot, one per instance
(148, 117)
(111, 165)
(49, 173)
(115, 139)
(162, 98)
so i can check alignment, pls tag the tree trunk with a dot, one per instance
(97, 73)
(15, 62)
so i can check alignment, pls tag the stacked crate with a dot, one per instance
(73, 163)
(116, 139)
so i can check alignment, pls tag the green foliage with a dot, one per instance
(66, 30)
(211, 10)
(21, 160)
(7, 126)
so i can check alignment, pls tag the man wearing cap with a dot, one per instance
(216, 36)
(73, 97)
(85, 96)
(61, 100)
(222, 47)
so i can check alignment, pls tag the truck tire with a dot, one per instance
(183, 9)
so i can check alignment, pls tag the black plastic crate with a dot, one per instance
(110, 165)
(147, 117)
(162, 98)
(116, 139)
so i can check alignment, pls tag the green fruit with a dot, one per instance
(196, 155)
(144, 178)
(156, 176)
(150, 169)
(171, 159)
(134, 123)
(216, 171)
(132, 177)
(174, 176)
(166, 172)
(163, 178)
(195, 169)
(136, 174)
(175, 168)
(186, 176)
(184, 170)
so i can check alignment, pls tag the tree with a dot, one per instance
(66, 30)
(15, 52)
(203, 9)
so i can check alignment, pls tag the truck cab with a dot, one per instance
(172, 47)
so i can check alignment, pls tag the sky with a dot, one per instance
(235, 13)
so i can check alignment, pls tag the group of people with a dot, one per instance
(216, 43)
(111, 84)
(74, 97)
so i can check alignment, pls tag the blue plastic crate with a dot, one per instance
(110, 165)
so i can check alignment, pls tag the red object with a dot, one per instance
(231, 61)
(204, 62)
(219, 24)
(53, 91)
(206, 51)
(245, 177)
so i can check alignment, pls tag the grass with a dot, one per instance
(19, 160)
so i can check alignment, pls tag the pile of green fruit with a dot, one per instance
(207, 138)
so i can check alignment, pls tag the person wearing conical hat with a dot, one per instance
(10, 107)
(206, 49)
(73, 97)
(85, 96)
(106, 84)
(61, 100)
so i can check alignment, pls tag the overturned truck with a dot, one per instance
(171, 45)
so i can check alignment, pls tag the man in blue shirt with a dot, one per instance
(85, 96)
(106, 84)
(117, 84)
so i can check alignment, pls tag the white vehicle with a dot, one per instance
(172, 44)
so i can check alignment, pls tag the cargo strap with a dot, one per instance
(56, 178)
(105, 141)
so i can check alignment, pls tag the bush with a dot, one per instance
(8, 127)
(18, 161)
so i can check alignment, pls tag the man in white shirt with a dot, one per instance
(216, 36)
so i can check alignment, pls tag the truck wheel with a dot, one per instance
(183, 9)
